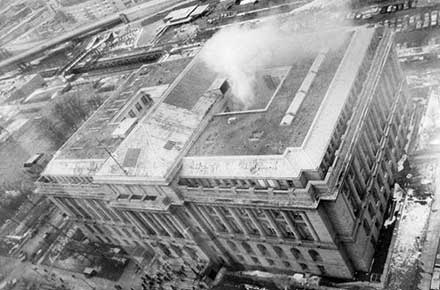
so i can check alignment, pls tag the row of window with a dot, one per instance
(104, 230)
(144, 103)
(286, 264)
(136, 191)
(238, 183)
(348, 108)
(258, 222)
(179, 251)
(314, 255)
(149, 223)
(66, 179)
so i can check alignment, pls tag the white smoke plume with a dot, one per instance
(238, 52)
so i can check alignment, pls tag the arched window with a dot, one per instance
(279, 252)
(296, 253)
(315, 256)
(247, 248)
(232, 245)
(262, 249)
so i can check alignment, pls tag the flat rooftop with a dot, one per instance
(259, 132)
(88, 148)
(256, 144)
(95, 135)
(154, 148)
(188, 129)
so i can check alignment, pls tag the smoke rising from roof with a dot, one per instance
(238, 52)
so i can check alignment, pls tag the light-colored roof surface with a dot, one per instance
(75, 167)
(152, 151)
(199, 10)
(94, 139)
(181, 13)
(160, 138)
(307, 156)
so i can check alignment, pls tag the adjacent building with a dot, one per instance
(92, 9)
(297, 182)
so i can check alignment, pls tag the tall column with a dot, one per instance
(151, 224)
(73, 208)
(182, 228)
(239, 222)
(309, 226)
(291, 224)
(372, 131)
(354, 191)
(357, 169)
(255, 221)
(195, 219)
(163, 224)
(273, 223)
(223, 219)
(361, 156)
(208, 219)
(91, 209)
(61, 206)
(376, 121)
(87, 210)
(138, 224)
(370, 150)
(103, 214)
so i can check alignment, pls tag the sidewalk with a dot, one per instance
(429, 250)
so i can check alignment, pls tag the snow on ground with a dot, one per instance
(406, 250)
(321, 4)
(430, 122)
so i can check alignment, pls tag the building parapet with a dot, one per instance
(302, 198)
(158, 204)
(73, 190)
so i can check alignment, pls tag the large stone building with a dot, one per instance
(298, 182)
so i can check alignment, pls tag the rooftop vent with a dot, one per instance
(303, 89)
(169, 145)
(232, 120)
(256, 136)
(220, 84)
(124, 128)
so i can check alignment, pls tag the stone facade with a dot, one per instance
(325, 221)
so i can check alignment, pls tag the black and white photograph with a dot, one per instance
(219, 144)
